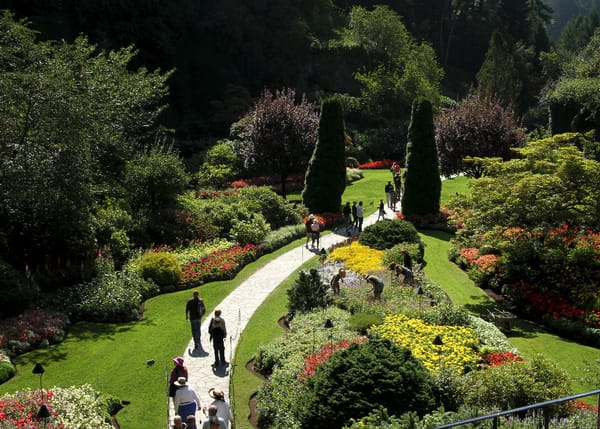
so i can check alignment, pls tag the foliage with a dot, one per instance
(73, 114)
(280, 237)
(358, 257)
(478, 126)
(389, 233)
(362, 321)
(15, 288)
(278, 135)
(326, 174)
(457, 351)
(396, 253)
(33, 329)
(69, 407)
(523, 192)
(7, 369)
(498, 75)
(313, 360)
(161, 268)
(514, 384)
(277, 211)
(308, 292)
(421, 183)
(577, 92)
(220, 166)
(113, 297)
(355, 378)
(253, 230)
(218, 265)
(400, 70)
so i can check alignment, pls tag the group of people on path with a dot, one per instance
(186, 402)
(185, 399)
(353, 216)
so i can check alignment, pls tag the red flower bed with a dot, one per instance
(312, 361)
(499, 358)
(20, 411)
(548, 302)
(220, 264)
(384, 163)
(30, 329)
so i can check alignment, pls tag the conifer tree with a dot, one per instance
(325, 179)
(421, 178)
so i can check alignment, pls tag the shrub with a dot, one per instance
(395, 254)
(387, 233)
(351, 162)
(308, 292)
(277, 211)
(32, 329)
(282, 236)
(514, 384)
(353, 174)
(113, 297)
(362, 321)
(15, 287)
(160, 267)
(7, 369)
(250, 231)
(353, 379)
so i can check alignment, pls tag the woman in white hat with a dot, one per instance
(223, 408)
(186, 401)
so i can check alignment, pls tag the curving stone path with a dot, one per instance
(237, 309)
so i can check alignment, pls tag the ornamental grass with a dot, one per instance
(457, 348)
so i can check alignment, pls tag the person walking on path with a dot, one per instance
(389, 193)
(179, 370)
(381, 213)
(360, 215)
(218, 333)
(213, 421)
(354, 215)
(316, 233)
(186, 401)
(347, 211)
(194, 310)
(308, 224)
(223, 408)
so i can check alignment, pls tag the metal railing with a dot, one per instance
(543, 405)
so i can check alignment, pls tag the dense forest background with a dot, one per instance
(225, 53)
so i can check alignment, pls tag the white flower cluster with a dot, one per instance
(79, 406)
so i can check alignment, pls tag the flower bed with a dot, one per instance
(457, 349)
(32, 329)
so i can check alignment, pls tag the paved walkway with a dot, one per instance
(237, 309)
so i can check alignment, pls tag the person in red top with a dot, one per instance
(179, 370)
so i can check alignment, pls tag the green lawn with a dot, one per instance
(112, 357)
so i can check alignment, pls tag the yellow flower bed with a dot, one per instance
(459, 344)
(359, 258)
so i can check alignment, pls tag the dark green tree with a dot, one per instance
(498, 75)
(326, 174)
(422, 185)
(308, 292)
(355, 380)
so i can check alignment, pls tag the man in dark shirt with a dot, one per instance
(194, 310)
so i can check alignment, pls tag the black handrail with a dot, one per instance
(528, 408)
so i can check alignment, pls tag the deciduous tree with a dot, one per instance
(279, 135)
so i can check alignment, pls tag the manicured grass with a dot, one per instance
(369, 190)
(261, 328)
(112, 357)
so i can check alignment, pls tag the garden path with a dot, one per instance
(237, 309)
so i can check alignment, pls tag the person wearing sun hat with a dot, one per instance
(186, 400)
(223, 408)
(179, 370)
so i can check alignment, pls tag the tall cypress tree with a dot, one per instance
(325, 179)
(422, 183)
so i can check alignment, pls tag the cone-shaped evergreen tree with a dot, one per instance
(325, 179)
(421, 178)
